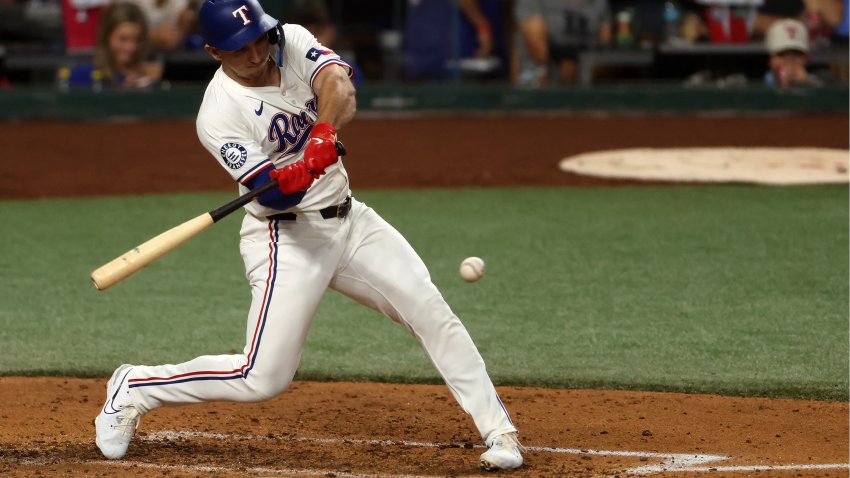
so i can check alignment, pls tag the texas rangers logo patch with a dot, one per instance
(234, 155)
(313, 54)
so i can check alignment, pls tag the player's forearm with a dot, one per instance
(337, 103)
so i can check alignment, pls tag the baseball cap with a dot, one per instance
(787, 35)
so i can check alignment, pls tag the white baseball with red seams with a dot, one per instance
(290, 263)
(472, 269)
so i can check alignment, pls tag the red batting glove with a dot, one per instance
(321, 149)
(292, 178)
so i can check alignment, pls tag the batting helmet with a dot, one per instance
(231, 24)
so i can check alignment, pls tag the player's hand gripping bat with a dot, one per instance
(127, 264)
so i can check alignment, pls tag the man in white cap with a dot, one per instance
(787, 42)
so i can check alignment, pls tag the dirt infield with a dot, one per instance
(390, 430)
(79, 158)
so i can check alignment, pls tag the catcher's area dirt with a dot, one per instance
(389, 430)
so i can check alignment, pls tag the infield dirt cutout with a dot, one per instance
(778, 166)
(390, 430)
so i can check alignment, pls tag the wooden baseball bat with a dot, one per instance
(127, 264)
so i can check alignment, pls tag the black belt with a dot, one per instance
(330, 212)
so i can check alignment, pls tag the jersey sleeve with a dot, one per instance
(233, 147)
(306, 56)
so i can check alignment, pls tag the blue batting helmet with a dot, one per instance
(231, 24)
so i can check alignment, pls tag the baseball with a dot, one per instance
(472, 269)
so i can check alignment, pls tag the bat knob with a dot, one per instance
(340, 148)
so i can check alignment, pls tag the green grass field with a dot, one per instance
(736, 290)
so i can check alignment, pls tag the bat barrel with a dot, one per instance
(127, 264)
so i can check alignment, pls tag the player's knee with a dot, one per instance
(266, 387)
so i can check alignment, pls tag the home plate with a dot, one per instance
(744, 165)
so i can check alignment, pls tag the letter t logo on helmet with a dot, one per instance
(242, 12)
(220, 25)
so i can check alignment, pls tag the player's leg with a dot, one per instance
(381, 270)
(288, 277)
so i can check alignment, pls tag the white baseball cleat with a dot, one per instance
(505, 453)
(118, 419)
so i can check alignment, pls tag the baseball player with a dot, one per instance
(271, 112)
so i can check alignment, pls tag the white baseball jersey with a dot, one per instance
(233, 118)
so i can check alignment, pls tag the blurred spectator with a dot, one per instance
(120, 53)
(554, 32)
(80, 19)
(694, 28)
(171, 22)
(775, 10)
(787, 42)
(832, 11)
(731, 21)
(441, 40)
(816, 14)
(840, 30)
(314, 16)
(841, 71)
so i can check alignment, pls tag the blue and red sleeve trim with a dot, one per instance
(251, 173)
(327, 63)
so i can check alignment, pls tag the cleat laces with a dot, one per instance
(127, 421)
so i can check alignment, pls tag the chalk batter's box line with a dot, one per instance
(671, 462)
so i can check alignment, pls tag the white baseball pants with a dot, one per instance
(289, 264)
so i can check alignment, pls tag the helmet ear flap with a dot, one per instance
(275, 34)
(277, 40)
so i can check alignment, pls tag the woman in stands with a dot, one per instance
(120, 57)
